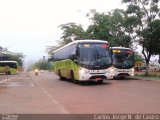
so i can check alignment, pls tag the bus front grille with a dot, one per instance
(123, 74)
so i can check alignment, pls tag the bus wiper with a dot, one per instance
(94, 58)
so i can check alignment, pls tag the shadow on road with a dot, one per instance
(125, 79)
(93, 83)
(88, 83)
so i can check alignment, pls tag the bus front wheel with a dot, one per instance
(100, 81)
(60, 76)
(8, 73)
(73, 78)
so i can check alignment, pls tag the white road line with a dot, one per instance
(51, 97)
(53, 100)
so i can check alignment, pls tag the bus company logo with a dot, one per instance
(122, 70)
(94, 71)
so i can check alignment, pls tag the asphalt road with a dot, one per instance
(27, 93)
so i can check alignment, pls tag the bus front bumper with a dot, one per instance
(96, 75)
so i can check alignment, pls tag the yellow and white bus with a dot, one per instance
(84, 60)
(123, 62)
(8, 67)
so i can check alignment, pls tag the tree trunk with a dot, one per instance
(147, 69)
(159, 58)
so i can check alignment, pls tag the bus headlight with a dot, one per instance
(132, 70)
(111, 70)
(36, 70)
(82, 71)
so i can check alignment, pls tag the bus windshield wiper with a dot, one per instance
(95, 57)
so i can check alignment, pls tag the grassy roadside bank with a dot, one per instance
(151, 76)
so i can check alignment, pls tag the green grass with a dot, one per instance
(149, 77)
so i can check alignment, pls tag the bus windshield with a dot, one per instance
(94, 55)
(123, 59)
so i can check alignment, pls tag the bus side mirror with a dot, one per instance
(50, 59)
(111, 52)
(75, 61)
(73, 57)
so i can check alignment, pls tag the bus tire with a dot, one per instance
(72, 77)
(100, 81)
(9, 72)
(60, 76)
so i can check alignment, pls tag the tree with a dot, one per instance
(152, 37)
(1, 48)
(51, 49)
(121, 28)
(114, 27)
(99, 29)
(7, 55)
(138, 57)
(42, 65)
(145, 13)
(71, 32)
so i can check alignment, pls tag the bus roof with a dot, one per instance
(8, 62)
(88, 40)
(121, 48)
(82, 41)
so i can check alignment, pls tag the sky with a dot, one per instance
(28, 26)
